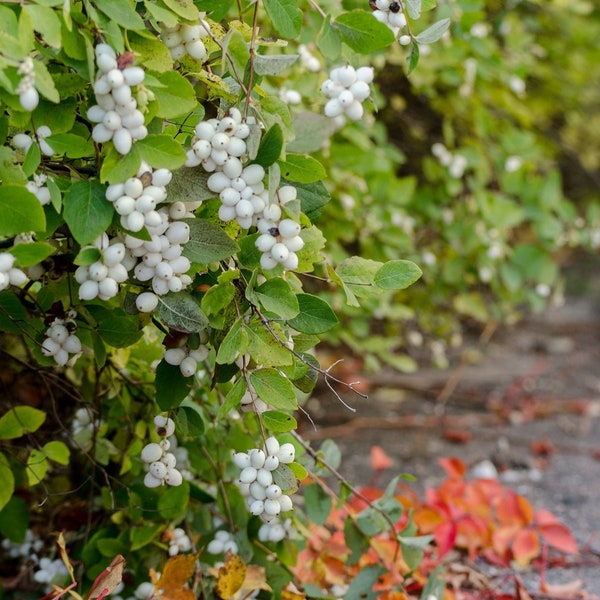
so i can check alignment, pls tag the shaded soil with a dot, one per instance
(525, 407)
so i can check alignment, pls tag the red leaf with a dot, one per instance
(526, 546)
(379, 459)
(445, 536)
(558, 536)
(453, 466)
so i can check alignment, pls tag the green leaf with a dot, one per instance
(8, 482)
(312, 131)
(12, 313)
(397, 275)
(87, 212)
(434, 32)
(278, 422)
(329, 41)
(14, 519)
(122, 12)
(32, 161)
(188, 421)
(21, 211)
(277, 296)
(71, 145)
(153, 54)
(233, 344)
(117, 168)
(87, 256)
(189, 185)
(171, 387)
(142, 535)
(472, 305)
(285, 16)
(44, 82)
(274, 389)
(57, 452)
(161, 151)
(31, 253)
(361, 587)
(270, 146)
(413, 58)
(218, 297)
(233, 398)
(315, 315)
(46, 22)
(175, 97)
(181, 312)
(184, 8)
(284, 477)
(119, 332)
(317, 503)
(174, 503)
(20, 420)
(414, 8)
(208, 242)
(264, 348)
(273, 64)
(302, 168)
(313, 197)
(361, 31)
(37, 467)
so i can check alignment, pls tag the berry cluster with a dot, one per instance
(9, 274)
(28, 95)
(182, 39)
(217, 142)
(456, 163)
(222, 542)
(161, 463)
(28, 548)
(51, 572)
(309, 61)
(347, 89)
(264, 498)
(251, 402)
(116, 115)
(60, 341)
(24, 141)
(241, 191)
(136, 199)
(178, 541)
(102, 278)
(83, 420)
(391, 14)
(280, 239)
(39, 189)
(186, 359)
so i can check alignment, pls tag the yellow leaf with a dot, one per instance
(231, 576)
(62, 550)
(291, 592)
(176, 573)
(256, 579)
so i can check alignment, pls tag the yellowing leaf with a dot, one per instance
(256, 579)
(231, 576)
(175, 574)
(62, 549)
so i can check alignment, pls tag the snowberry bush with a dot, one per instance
(180, 187)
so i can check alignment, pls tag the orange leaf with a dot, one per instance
(526, 546)
(558, 536)
(176, 572)
(379, 459)
(571, 589)
(231, 576)
(453, 466)
(502, 538)
(445, 536)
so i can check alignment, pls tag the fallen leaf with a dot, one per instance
(379, 459)
(525, 547)
(457, 436)
(570, 589)
(175, 574)
(453, 466)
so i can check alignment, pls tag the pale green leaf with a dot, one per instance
(21, 211)
(181, 312)
(397, 275)
(208, 242)
(285, 16)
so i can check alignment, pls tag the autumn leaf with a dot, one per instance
(175, 574)
(525, 547)
(62, 549)
(108, 579)
(453, 466)
(230, 577)
(558, 536)
(379, 459)
(256, 579)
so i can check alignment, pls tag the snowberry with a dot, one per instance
(165, 426)
(286, 453)
(174, 477)
(248, 475)
(152, 452)
(271, 463)
(151, 482)
(285, 503)
(264, 477)
(241, 460)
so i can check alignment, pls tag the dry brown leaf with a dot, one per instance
(109, 579)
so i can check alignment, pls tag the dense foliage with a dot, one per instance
(184, 195)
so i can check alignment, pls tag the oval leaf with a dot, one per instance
(315, 316)
(361, 31)
(86, 211)
(397, 275)
(119, 332)
(278, 422)
(21, 211)
(274, 389)
(181, 312)
(208, 242)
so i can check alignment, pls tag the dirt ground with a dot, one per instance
(524, 406)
